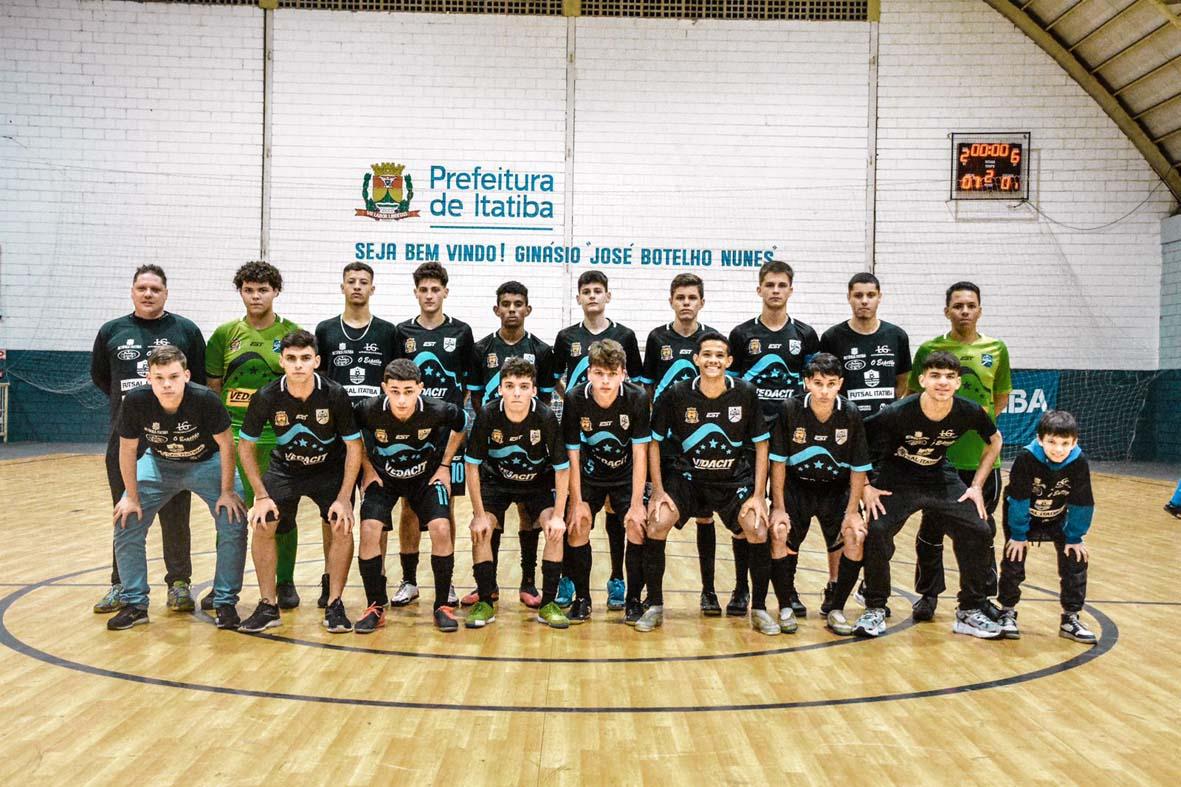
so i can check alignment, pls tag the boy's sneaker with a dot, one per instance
(565, 595)
(207, 601)
(372, 620)
(872, 623)
(762, 622)
(837, 623)
(797, 606)
(453, 597)
(322, 601)
(826, 602)
(227, 617)
(1008, 624)
(288, 596)
(445, 619)
(335, 620)
(551, 615)
(739, 602)
(111, 602)
(529, 596)
(992, 610)
(1073, 628)
(473, 598)
(580, 611)
(787, 621)
(653, 618)
(480, 615)
(923, 609)
(265, 616)
(180, 598)
(709, 604)
(405, 594)
(616, 594)
(127, 617)
(633, 611)
(859, 597)
(1174, 510)
(975, 623)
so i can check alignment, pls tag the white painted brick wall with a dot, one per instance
(131, 134)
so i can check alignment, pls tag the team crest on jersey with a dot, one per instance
(840, 436)
(497, 436)
(873, 377)
(322, 416)
(799, 435)
(424, 434)
(155, 426)
(449, 343)
(624, 421)
(235, 345)
(281, 418)
(584, 424)
(387, 192)
(141, 368)
(987, 360)
(492, 361)
(755, 347)
(357, 375)
(576, 349)
(691, 415)
(534, 436)
(666, 352)
(411, 345)
(735, 414)
(794, 346)
(530, 357)
(275, 345)
(381, 435)
(343, 346)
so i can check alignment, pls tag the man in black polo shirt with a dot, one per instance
(317, 454)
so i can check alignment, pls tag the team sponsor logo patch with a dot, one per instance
(184, 426)
(141, 368)
(371, 348)
(322, 415)
(530, 357)
(497, 436)
(534, 436)
(873, 377)
(239, 397)
(411, 345)
(576, 349)
(794, 346)
(666, 352)
(449, 343)
(917, 438)
(987, 360)
(854, 364)
(754, 347)
(281, 418)
(624, 421)
(343, 346)
(735, 414)
(357, 375)
(155, 426)
(854, 352)
(691, 415)
(492, 361)
(584, 424)
(342, 360)
(381, 435)
(883, 349)
(800, 435)
(275, 345)
(127, 355)
(424, 434)
(840, 436)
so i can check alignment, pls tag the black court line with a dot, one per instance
(1109, 637)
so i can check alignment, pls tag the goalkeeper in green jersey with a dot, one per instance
(242, 356)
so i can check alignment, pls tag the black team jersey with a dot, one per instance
(409, 450)
(713, 437)
(872, 362)
(912, 447)
(520, 458)
(444, 355)
(668, 357)
(119, 360)
(355, 357)
(490, 355)
(1049, 494)
(605, 436)
(819, 452)
(571, 346)
(772, 361)
(183, 436)
(308, 431)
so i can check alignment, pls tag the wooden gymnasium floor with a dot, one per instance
(698, 702)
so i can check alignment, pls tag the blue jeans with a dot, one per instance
(159, 480)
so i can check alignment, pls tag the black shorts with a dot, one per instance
(458, 476)
(697, 500)
(428, 502)
(286, 490)
(596, 497)
(498, 500)
(825, 502)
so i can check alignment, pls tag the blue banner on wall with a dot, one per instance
(1034, 393)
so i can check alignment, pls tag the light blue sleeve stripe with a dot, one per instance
(777, 458)
(861, 468)
(562, 466)
(762, 438)
(641, 440)
(248, 438)
(353, 436)
(472, 460)
(658, 437)
(575, 447)
(642, 380)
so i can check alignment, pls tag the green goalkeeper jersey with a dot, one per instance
(985, 376)
(245, 359)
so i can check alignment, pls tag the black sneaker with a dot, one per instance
(372, 620)
(265, 616)
(207, 602)
(127, 617)
(227, 617)
(580, 611)
(826, 602)
(991, 610)
(924, 609)
(335, 620)
(1072, 628)
(739, 601)
(797, 606)
(288, 597)
(709, 604)
(322, 601)
(632, 611)
(445, 620)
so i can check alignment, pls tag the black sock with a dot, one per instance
(370, 569)
(760, 574)
(616, 537)
(634, 561)
(409, 567)
(569, 569)
(551, 570)
(847, 573)
(485, 573)
(654, 571)
(529, 540)
(707, 547)
(496, 533)
(580, 558)
(780, 582)
(741, 564)
(793, 562)
(383, 596)
(442, 567)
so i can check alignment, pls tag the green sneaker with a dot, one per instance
(111, 602)
(480, 615)
(553, 616)
(179, 597)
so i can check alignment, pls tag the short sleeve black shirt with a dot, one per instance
(912, 447)
(520, 457)
(183, 436)
(445, 355)
(491, 353)
(355, 357)
(772, 361)
(308, 431)
(872, 362)
(818, 451)
(668, 357)
(411, 449)
(604, 436)
(570, 351)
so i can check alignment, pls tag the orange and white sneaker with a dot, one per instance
(473, 598)
(372, 620)
(445, 619)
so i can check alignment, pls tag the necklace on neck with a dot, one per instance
(345, 330)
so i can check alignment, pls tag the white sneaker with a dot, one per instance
(975, 623)
(406, 593)
(762, 622)
(837, 623)
(1073, 628)
(652, 618)
(872, 623)
(787, 621)
(1008, 624)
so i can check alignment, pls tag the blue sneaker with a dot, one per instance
(616, 594)
(565, 596)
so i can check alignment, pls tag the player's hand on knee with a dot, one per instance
(340, 516)
(369, 476)
(976, 495)
(659, 501)
(871, 496)
(1015, 550)
(778, 525)
(755, 506)
(125, 508)
(1079, 551)
(580, 518)
(263, 512)
(633, 520)
(235, 508)
(554, 526)
(481, 527)
(853, 529)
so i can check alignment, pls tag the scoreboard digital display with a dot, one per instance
(990, 166)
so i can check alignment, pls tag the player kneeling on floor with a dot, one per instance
(414, 439)
(1049, 499)
(190, 447)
